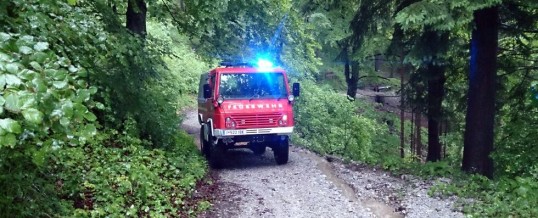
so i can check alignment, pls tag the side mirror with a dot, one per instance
(207, 91)
(296, 89)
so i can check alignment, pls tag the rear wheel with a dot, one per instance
(281, 152)
(203, 143)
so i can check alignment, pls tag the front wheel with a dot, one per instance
(216, 152)
(281, 152)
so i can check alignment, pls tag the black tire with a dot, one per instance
(258, 149)
(215, 157)
(203, 143)
(215, 153)
(281, 152)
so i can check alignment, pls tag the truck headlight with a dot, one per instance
(230, 124)
(283, 121)
(291, 98)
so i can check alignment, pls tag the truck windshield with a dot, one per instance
(252, 85)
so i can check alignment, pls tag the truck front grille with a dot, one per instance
(256, 120)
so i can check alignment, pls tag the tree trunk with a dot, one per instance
(402, 112)
(418, 134)
(347, 69)
(352, 80)
(436, 82)
(412, 135)
(479, 121)
(136, 16)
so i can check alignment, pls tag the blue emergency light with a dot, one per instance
(264, 64)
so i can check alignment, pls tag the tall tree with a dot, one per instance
(435, 70)
(436, 83)
(478, 138)
(136, 16)
(398, 48)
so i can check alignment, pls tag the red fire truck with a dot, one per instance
(241, 105)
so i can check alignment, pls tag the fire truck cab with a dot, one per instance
(241, 105)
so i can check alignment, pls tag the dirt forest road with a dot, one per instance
(312, 186)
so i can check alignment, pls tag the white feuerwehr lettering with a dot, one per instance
(253, 106)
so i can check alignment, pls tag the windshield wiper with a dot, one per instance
(254, 96)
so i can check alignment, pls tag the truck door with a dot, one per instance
(205, 106)
(202, 102)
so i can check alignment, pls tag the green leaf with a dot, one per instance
(41, 46)
(12, 68)
(79, 111)
(2, 101)
(83, 72)
(39, 156)
(4, 36)
(4, 57)
(33, 115)
(60, 84)
(36, 66)
(72, 2)
(59, 75)
(12, 80)
(72, 69)
(13, 103)
(67, 109)
(10, 125)
(2, 81)
(39, 84)
(82, 95)
(93, 90)
(26, 74)
(25, 50)
(40, 57)
(89, 131)
(9, 139)
(100, 105)
(90, 116)
(64, 121)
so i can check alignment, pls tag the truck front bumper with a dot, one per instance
(226, 133)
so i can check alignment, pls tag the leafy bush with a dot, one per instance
(44, 105)
(516, 138)
(503, 197)
(121, 177)
(328, 123)
(42, 95)
(84, 105)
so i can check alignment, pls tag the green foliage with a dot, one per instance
(42, 94)
(184, 64)
(534, 93)
(121, 177)
(440, 15)
(324, 124)
(45, 105)
(504, 197)
(517, 139)
(89, 115)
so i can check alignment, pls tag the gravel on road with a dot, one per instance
(311, 186)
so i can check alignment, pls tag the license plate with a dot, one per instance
(234, 132)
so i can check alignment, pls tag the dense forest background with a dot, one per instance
(92, 94)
